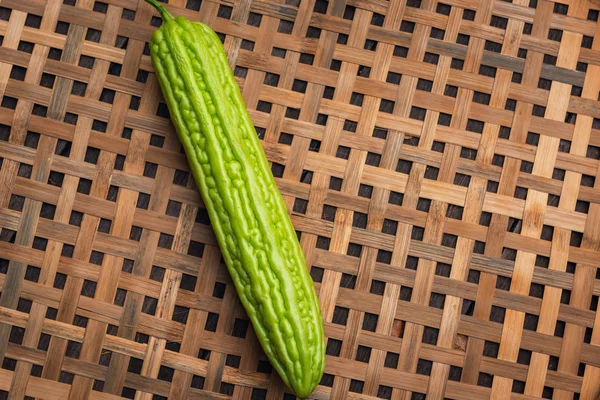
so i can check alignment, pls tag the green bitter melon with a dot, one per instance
(248, 215)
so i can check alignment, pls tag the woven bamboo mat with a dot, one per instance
(439, 160)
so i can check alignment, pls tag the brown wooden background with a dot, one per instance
(439, 159)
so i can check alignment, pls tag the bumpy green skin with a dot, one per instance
(246, 210)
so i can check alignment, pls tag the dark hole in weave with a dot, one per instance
(517, 77)
(581, 370)
(327, 380)
(389, 227)
(264, 367)
(16, 335)
(485, 380)
(226, 388)
(47, 211)
(134, 104)
(100, 7)
(449, 240)
(24, 305)
(66, 377)
(548, 392)
(587, 338)
(555, 35)
(354, 250)
(292, 113)
(5, 13)
(443, 269)
(120, 296)
(334, 347)
(27, 47)
(263, 106)
(356, 99)
(359, 220)
(25, 171)
(594, 301)
(349, 12)
(437, 300)
(497, 314)
(384, 256)
(240, 328)
(503, 282)
(16, 202)
(188, 282)
(197, 382)
(271, 79)
(370, 45)
(285, 138)
(135, 365)
(436, 33)
(285, 27)
(313, 32)
(485, 219)
(316, 273)
(582, 206)
(18, 73)
(165, 373)
(407, 26)
(149, 305)
(559, 329)
(412, 262)
(531, 322)
(340, 315)
(417, 113)
(9, 102)
(454, 211)
(370, 322)
(306, 177)
(348, 281)
(468, 307)
(391, 360)
(113, 192)
(467, 153)
(128, 393)
(59, 281)
(323, 242)
(32, 273)
(335, 183)
(88, 289)
(542, 261)
(258, 394)
(141, 338)
(165, 241)
(247, 45)
(356, 386)
(481, 98)
(254, 19)
(430, 335)
(424, 367)
(73, 349)
(443, 9)
(62, 28)
(518, 386)
(377, 19)
(320, 7)
(211, 322)
(490, 349)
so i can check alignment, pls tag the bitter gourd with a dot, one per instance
(248, 215)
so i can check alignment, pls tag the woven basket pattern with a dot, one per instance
(439, 160)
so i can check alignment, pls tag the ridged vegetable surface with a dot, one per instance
(247, 212)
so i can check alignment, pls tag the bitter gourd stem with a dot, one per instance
(164, 13)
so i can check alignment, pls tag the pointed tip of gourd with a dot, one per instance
(164, 13)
